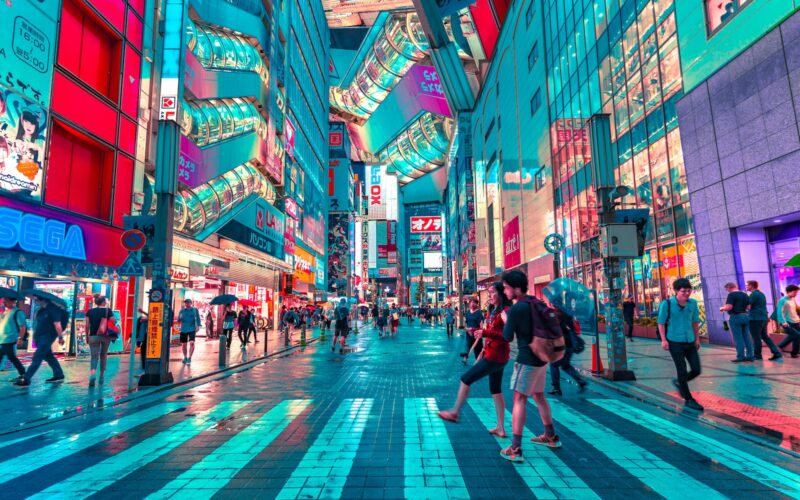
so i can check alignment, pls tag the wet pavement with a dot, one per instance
(320, 424)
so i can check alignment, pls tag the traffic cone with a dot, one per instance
(597, 361)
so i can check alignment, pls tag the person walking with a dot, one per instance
(450, 321)
(759, 317)
(243, 319)
(141, 336)
(290, 319)
(736, 305)
(679, 326)
(253, 327)
(342, 326)
(568, 326)
(376, 312)
(530, 372)
(12, 330)
(97, 338)
(790, 320)
(47, 327)
(474, 318)
(491, 363)
(628, 312)
(209, 324)
(189, 318)
(228, 324)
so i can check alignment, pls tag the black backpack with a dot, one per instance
(548, 337)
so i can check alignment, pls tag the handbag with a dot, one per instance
(112, 329)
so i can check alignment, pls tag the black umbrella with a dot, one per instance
(46, 296)
(8, 293)
(224, 299)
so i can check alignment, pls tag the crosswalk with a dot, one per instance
(437, 461)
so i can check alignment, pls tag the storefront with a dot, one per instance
(67, 256)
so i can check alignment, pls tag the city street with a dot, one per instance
(320, 424)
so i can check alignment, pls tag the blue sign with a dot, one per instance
(132, 266)
(259, 226)
(36, 234)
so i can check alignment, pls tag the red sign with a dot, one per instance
(291, 207)
(288, 131)
(168, 102)
(335, 139)
(426, 224)
(133, 240)
(511, 244)
(179, 273)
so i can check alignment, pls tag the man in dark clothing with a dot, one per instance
(628, 309)
(244, 326)
(567, 323)
(342, 325)
(758, 322)
(736, 305)
(48, 326)
(530, 372)
(473, 319)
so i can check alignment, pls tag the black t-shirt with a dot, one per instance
(44, 324)
(95, 316)
(520, 324)
(627, 308)
(244, 319)
(739, 300)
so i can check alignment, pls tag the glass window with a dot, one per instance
(635, 100)
(536, 101)
(659, 169)
(616, 59)
(600, 21)
(533, 55)
(677, 169)
(671, 73)
(666, 29)
(649, 49)
(529, 13)
(652, 89)
(683, 220)
(641, 168)
(661, 9)
(645, 22)
(630, 44)
(621, 113)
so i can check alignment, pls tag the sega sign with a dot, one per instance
(36, 234)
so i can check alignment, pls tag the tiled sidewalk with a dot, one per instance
(42, 401)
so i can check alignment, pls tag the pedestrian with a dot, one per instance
(381, 322)
(48, 325)
(530, 372)
(758, 322)
(243, 319)
(375, 314)
(450, 321)
(491, 363)
(253, 329)
(474, 318)
(568, 326)
(189, 318)
(290, 318)
(679, 326)
(141, 336)
(209, 324)
(395, 319)
(228, 324)
(12, 330)
(342, 326)
(790, 320)
(736, 305)
(628, 312)
(99, 318)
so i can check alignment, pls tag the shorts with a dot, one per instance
(527, 379)
(342, 328)
(187, 337)
(483, 368)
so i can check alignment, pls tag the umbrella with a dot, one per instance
(224, 299)
(46, 296)
(570, 296)
(8, 293)
(248, 303)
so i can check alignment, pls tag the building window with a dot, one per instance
(536, 101)
(529, 13)
(718, 14)
(533, 55)
(540, 178)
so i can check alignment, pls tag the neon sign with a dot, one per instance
(375, 185)
(37, 234)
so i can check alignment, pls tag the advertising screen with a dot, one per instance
(381, 193)
(432, 261)
(23, 126)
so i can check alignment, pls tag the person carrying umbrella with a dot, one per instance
(48, 326)
(12, 329)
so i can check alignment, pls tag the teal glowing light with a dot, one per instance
(213, 120)
(215, 470)
(219, 49)
(419, 149)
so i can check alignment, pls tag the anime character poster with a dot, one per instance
(23, 127)
(338, 252)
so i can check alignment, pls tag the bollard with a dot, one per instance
(286, 335)
(322, 330)
(303, 335)
(223, 347)
(266, 340)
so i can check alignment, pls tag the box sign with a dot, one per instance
(381, 193)
(36, 234)
(426, 224)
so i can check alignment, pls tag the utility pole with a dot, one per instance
(170, 49)
(603, 170)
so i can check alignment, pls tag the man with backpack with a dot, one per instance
(13, 328)
(573, 344)
(342, 325)
(529, 320)
(679, 326)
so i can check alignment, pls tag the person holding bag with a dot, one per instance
(99, 333)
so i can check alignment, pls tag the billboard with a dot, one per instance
(338, 252)
(260, 226)
(426, 224)
(340, 192)
(381, 193)
(512, 253)
(432, 261)
(304, 266)
(23, 127)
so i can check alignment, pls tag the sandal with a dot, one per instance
(496, 433)
(448, 416)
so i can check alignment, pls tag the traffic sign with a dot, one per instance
(133, 240)
(132, 266)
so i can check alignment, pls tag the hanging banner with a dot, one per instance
(304, 266)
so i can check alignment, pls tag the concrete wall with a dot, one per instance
(741, 145)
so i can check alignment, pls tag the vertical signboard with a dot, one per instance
(154, 318)
(338, 252)
(511, 251)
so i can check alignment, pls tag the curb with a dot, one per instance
(112, 401)
(668, 404)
